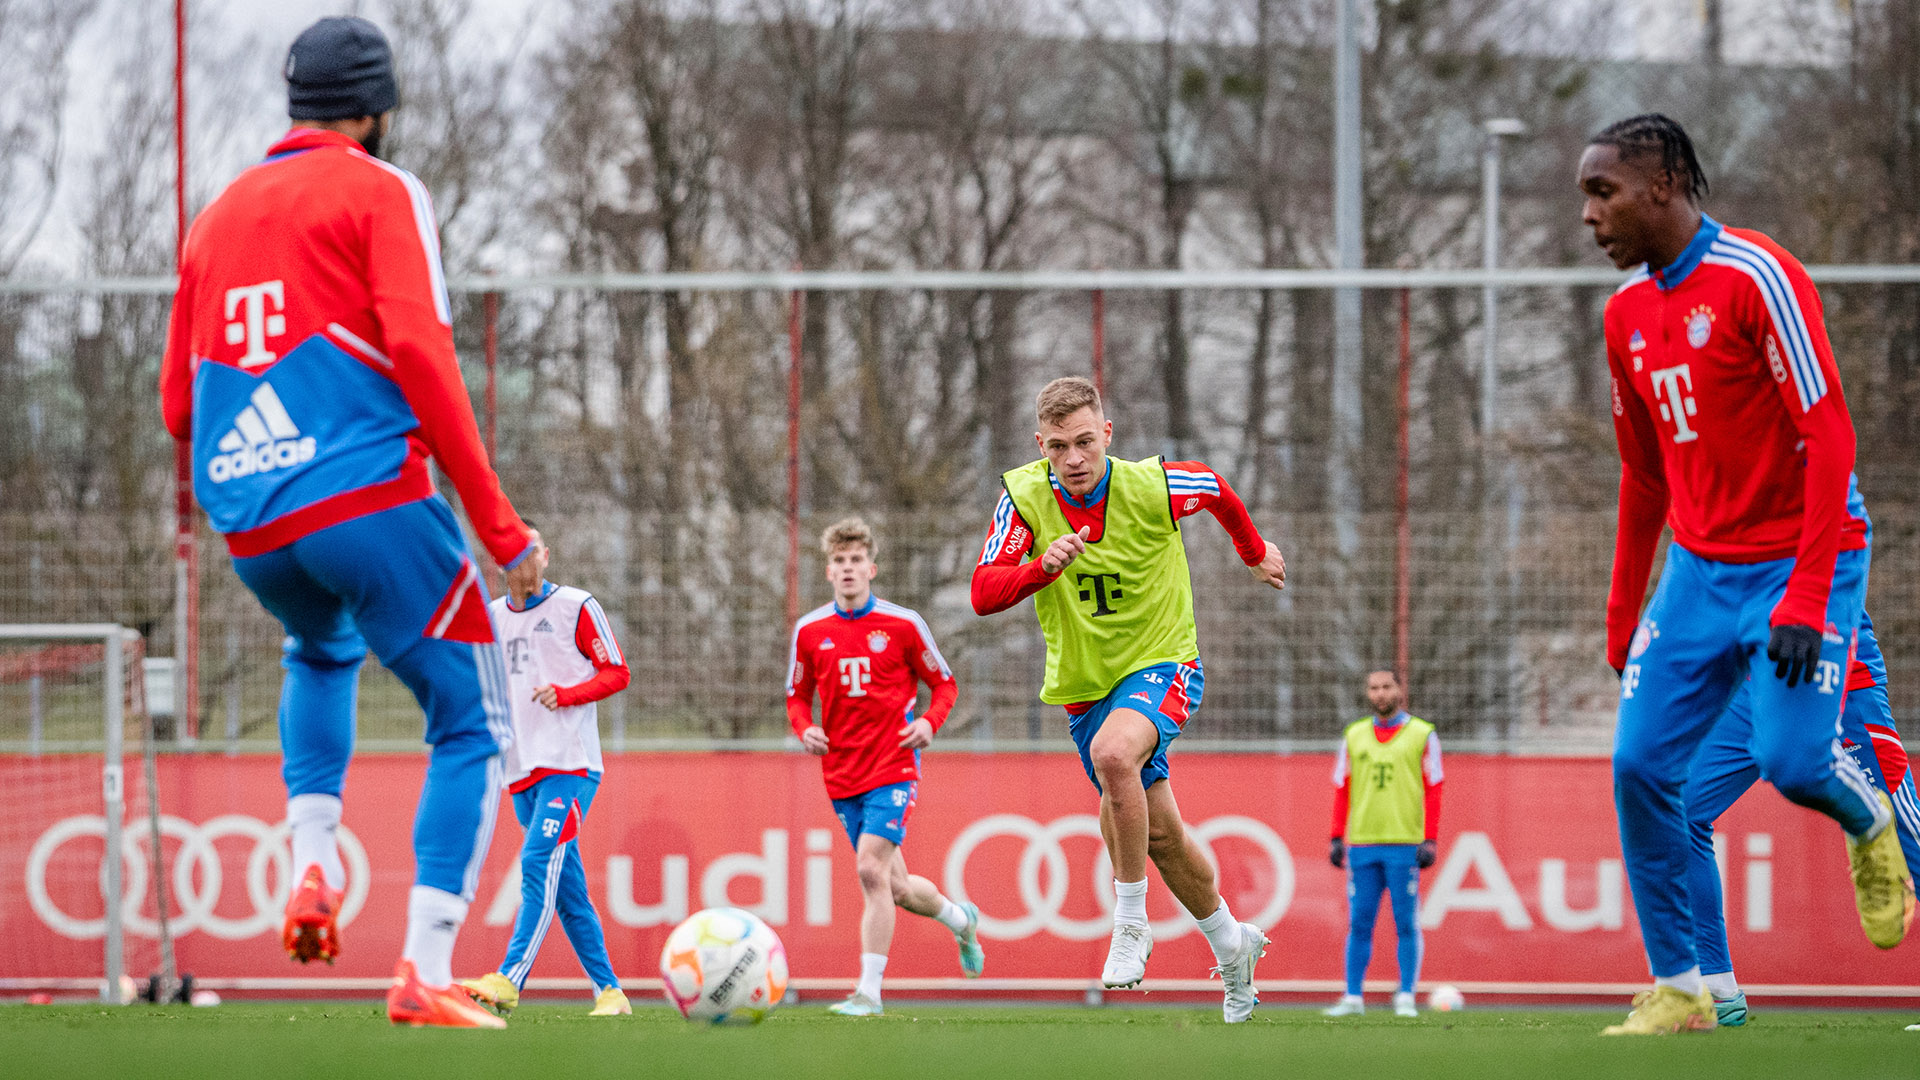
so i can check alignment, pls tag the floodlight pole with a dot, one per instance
(1494, 483)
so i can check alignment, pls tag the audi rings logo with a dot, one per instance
(1041, 876)
(198, 879)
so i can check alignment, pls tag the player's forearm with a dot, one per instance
(1341, 796)
(1829, 468)
(1433, 809)
(800, 712)
(176, 375)
(606, 682)
(1643, 513)
(433, 388)
(997, 588)
(944, 695)
(1232, 515)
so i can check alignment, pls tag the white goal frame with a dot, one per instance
(113, 789)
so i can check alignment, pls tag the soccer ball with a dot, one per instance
(724, 966)
(1446, 999)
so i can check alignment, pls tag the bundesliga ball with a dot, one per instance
(724, 966)
(1446, 999)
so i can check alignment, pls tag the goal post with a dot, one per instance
(119, 683)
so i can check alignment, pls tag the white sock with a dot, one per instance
(1130, 902)
(872, 966)
(1722, 983)
(313, 820)
(433, 921)
(952, 916)
(1223, 932)
(1687, 982)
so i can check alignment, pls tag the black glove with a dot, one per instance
(1428, 851)
(1795, 652)
(1337, 853)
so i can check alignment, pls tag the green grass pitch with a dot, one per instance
(346, 1041)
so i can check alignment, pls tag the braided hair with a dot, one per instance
(1655, 133)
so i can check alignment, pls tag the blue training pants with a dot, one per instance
(1371, 870)
(401, 581)
(1703, 635)
(1724, 770)
(553, 880)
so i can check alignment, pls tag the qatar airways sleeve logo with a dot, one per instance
(249, 321)
(1674, 388)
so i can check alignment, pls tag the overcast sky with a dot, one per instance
(252, 37)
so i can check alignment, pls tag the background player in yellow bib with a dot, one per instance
(1386, 829)
(1115, 603)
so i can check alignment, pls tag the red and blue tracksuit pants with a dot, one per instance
(1703, 636)
(402, 582)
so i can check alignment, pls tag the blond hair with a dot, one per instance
(1065, 396)
(845, 532)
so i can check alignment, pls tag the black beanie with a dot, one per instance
(339, 68)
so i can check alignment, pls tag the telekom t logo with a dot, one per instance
(855, 673)
(254, 325)
(1674, 387)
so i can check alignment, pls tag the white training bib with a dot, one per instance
(539, 648)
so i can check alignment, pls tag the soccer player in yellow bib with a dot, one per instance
(1386, 828)
(1115, 602)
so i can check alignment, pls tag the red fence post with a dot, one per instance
(186, 555)
(490, 314)
(1403, 529)
(1100, 341)
(795, 300)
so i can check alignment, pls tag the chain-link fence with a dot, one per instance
(646, 433)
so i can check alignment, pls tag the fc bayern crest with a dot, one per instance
(1643, 639)
(1700, 326)
(877, 641)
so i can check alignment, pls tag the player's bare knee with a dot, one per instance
(1112, 759)
(876, 875)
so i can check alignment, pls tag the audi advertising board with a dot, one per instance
(1528, 895)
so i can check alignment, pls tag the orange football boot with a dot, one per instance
(312, 930)
(413, 1002)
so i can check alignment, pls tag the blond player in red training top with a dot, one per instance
(867, 657)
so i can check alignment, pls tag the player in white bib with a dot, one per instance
(561, 658)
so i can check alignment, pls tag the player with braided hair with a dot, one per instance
(1733, 431)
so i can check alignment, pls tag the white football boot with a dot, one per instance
(1127, 956)
(1237, 975)
(1404, 1005)
(1348, 1005)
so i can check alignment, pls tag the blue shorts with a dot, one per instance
(1166, 694)
(882, 812)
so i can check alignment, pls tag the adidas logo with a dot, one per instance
(264, 438)
(543, 626)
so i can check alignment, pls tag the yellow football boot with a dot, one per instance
(493, 990)
(611, 1002)
(1882, 889)
(1664, 1010)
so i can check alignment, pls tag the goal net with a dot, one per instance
(73, 725)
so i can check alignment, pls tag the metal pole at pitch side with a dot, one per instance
(113, 787)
